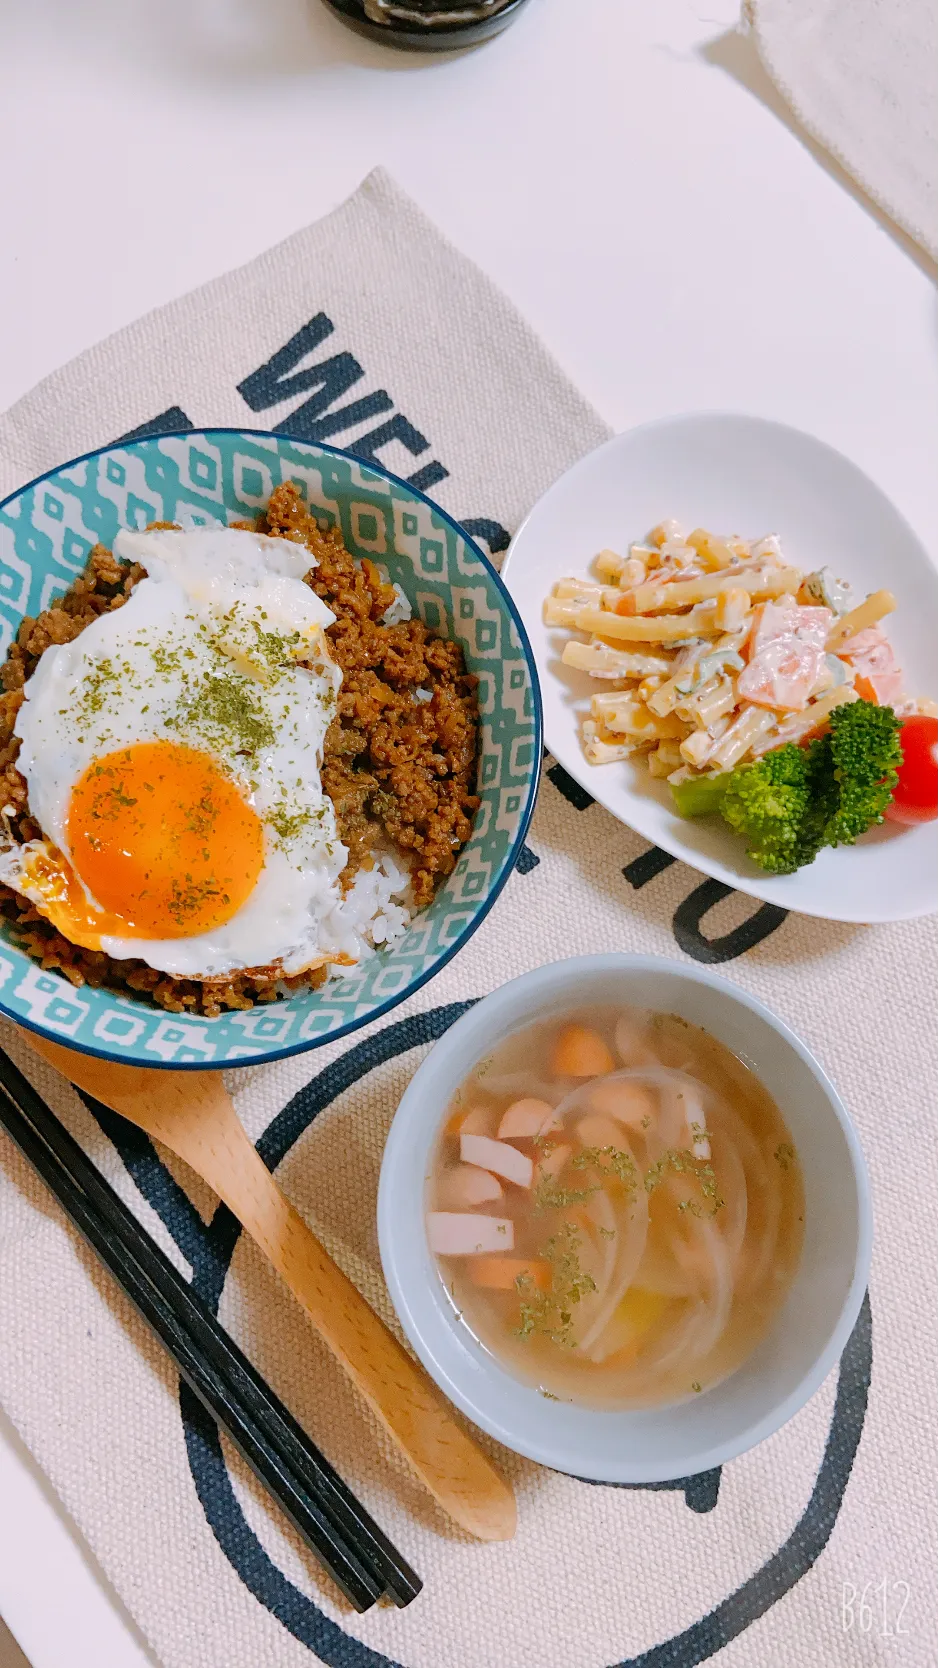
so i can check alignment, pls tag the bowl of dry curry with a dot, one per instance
(432, 755)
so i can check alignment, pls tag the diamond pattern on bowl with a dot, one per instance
(220, 476)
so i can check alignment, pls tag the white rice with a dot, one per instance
(376, 910)
(398, 610)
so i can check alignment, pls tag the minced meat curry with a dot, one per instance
(399, 757)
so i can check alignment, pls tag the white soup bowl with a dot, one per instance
(814, 1324)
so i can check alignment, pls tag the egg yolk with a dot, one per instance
(162, 840)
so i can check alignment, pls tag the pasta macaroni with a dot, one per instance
(717, 650)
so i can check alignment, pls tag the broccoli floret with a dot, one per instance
(698, 796)
(795, 800)
(863, 753)
(768, 804)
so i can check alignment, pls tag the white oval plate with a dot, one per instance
(741, 475)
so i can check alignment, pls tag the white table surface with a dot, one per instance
(621, 167)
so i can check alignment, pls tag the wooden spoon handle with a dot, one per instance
(192, 1114)
(396, 1387)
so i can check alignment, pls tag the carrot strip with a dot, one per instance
(499, 1274)
(580, 1052)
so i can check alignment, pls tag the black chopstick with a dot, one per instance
(344, 1537)
(288, 1437)
(360, 1585)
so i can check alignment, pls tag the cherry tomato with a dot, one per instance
(914, 797)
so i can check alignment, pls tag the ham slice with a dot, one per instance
(477, 1121)
(459, 1234)
(785, 655)
(498, 1156)
(525, 1119)
(869, 655)
(465, 1186)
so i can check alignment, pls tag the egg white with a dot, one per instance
(229, 607)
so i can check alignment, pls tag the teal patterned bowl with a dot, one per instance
(222, 475)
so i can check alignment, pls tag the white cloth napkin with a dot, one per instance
(815, 1548)
(861, 77)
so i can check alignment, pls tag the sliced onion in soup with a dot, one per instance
(696, 1336)
(631, 1214)
(732, 1186)
(632, 1042)
(764, 1201)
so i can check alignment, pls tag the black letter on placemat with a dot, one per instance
(272, 383)
(527, 861)
(277, 380)
(398, 428)
(171, 421)
(338, 374)
(645, 868)
(686, 925)
(493, 532)
(423, 479)
(572, 791)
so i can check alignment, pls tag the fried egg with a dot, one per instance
(172, 756)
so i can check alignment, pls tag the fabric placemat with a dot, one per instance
(816, 1548)
(861, 77)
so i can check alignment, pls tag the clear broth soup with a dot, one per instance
(616, 1208)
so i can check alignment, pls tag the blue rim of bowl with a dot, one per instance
(308, 1046)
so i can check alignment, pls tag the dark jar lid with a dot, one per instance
(427, 25)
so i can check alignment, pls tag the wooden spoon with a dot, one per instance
(193, 1115)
